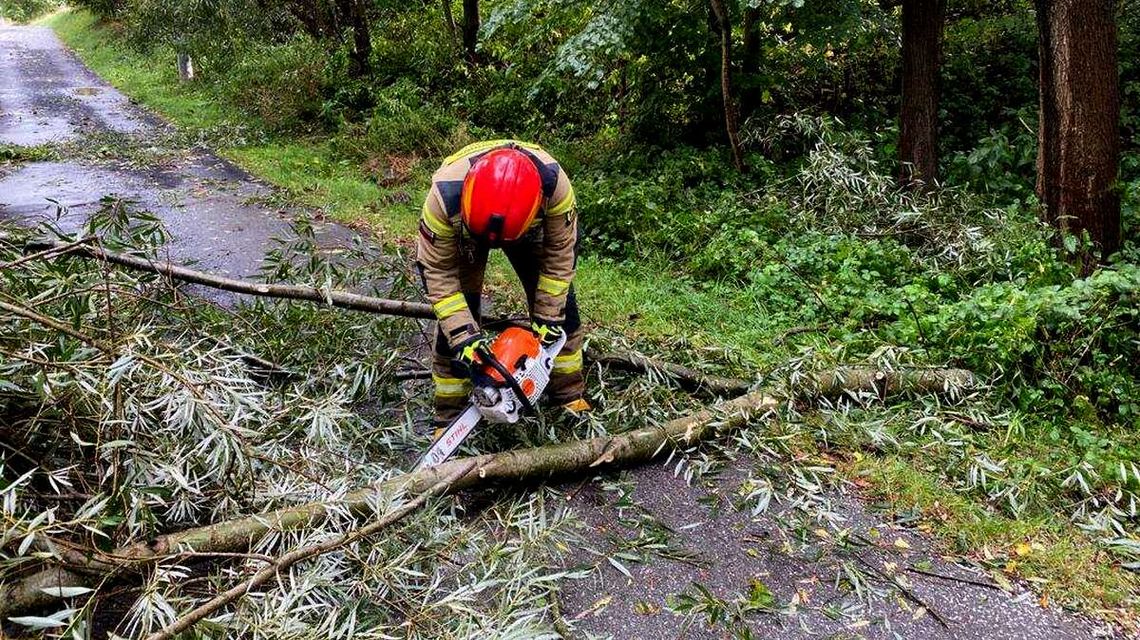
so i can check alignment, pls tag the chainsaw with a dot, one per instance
(511, 376)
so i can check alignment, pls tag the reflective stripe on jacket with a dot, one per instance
(442, 236)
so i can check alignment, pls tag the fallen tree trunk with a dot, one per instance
(862, 380)
(334, 298)
(41, 588)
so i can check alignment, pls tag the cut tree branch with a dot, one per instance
(688, 379)
(304, 553)
(557, 460)
(341, 299)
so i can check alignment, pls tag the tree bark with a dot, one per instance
(541, 463)
(449, 21)
(731, 113)
(922, 22)
(1078, 133)
(471, 29)
(333, 298)
(353, 11)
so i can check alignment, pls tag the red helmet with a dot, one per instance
(501, 195)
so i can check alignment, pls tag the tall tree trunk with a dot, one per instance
(1078, 151)
(922, 22)
(471, 29)
(731, 115)
(750, 47)
(449, 21)
(354, 13)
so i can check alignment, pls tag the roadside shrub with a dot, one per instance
(284, 85)
(1053, 343)
(402, 120)
(105, 9)
(653, 201)
(25, 10)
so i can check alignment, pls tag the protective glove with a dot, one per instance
(467, 352)
(548, 333)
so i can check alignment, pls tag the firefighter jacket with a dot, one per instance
(442, 238)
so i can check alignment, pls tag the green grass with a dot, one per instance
(1065, 568)
(645, 300)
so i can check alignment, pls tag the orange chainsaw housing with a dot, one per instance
(513, 347)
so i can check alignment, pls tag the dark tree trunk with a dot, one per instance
(1078, 135)
(354, 13)
(922, 22)
(750, 48)
(750, 95)
(449, 20)
(731, 115)
(471, 29)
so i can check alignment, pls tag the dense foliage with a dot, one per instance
(25, 10)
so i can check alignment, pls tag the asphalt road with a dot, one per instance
(210, 207)
(47, 97)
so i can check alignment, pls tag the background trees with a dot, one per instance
(710, 74)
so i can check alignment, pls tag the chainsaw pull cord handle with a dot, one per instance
(488, 357)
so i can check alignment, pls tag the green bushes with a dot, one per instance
(283, 85)
(25, 10)
(1053, 343)
(403, 121)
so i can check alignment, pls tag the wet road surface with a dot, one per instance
(209, 206)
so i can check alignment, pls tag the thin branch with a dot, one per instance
(289, 559)
(796, 331)
(688, 379)
(52, 323)
(943, 576)
(910, 595)
(56, 248)
(560, 624)
(342, 299)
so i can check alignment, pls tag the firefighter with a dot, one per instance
(513, 196)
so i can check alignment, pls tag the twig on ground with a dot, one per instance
(796, 331)
(903, 589)
(560, 624)
(943, 576)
